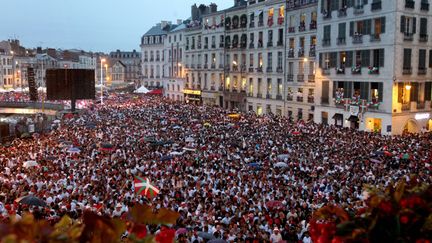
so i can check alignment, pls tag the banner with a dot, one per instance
(32, 84)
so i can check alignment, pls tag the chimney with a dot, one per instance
(39, 50)
(163, 24)
(213, 8)
(179, 21)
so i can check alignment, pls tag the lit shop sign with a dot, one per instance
(192, 92)
(422, 116)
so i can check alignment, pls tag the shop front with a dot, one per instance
(210, 98)
(192, 96)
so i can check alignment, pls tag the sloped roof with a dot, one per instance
(157, 29)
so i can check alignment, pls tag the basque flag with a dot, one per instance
(144, 188)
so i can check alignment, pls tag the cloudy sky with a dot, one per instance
(93, 25)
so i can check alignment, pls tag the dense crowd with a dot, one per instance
(239, 179)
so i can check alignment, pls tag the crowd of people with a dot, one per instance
(238, 178)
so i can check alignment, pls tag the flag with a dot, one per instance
(144, 188)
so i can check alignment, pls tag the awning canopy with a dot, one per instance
(338, 116)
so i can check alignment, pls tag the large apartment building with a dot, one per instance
(372, 71)
(363, 64)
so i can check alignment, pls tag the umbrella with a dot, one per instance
(295, 133)
(207, 124)
(189, 140)
(25, 135)
(176, 127)
(30, 163)
(56, 121)
(106, 147)
(165, 158)
(375, 161)
(74, 150)
(205, 235)
(176, 153)
(405, 156)
(281, 165)
(181, 231)
(274, 204)
(253, 165)
(149, 139)
(31, 200)
(283, 156)
(189, 149)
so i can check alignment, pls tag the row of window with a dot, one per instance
(352, 59)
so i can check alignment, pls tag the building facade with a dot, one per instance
(372, 72)
(132, 62)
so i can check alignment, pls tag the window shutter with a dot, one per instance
(350, 3)
(342, 30)
(320, 64)
(365, 58)
(414, 92)
(322, 6)
(334, 5)
(347, 91)
(402, 27)
(430, 58)
(349, 59)
(380, 91)
(364, 90)
(333, 59)
(414, 25)
(335, 85)
(381, 57)
(365, 2)
(367, 26)
(407, 58)
(428, 91)
(383, 24)
(351, 33)
(422, 58)
(423, 26)
(400, 92)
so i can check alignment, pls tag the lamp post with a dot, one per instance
(101, 80)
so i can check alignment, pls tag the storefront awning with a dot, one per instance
(353, 119)
(338, 116)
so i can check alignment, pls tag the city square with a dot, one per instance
(267, 121)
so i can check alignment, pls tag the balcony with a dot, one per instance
(311, 78)
(291, 53)
(260, 44)
(342, 12)
(279, 43)
(341, 41)
(279, 70)
(326, 42)
(406, 70)
(300, 78)
(374, 70)
(220, 88)
(193, 47)
(423, 38)
(300, 99)
(409, 4)
(290, 78)
(291, 29)
(205, 46)
(279, 97)
(312, 52)
(270, 44)
(424, 6)
(406, 107)
(375, 37)
(421, 105)
(259, 95)
(251, 69)
(311, 99)
(251, 24)
(408, 36)
(151, 59)
(268, 96)
(326, 71)
(252, 45)
(358, 39)
(213, 66)
(376, 6)
(212, 88)
(421, 71)
(198, 66)
(356, 70)
(290, 97)
(358, 9)
(260, 23)
(259, 69)
(326, 14)
(221, 45)
(340, 70)
(250, 94)
(269, 69)
(221, 66)
(313, 25)
(302, 27)
(281, 20)
(213, 46)
(205, 66)
(300, 52)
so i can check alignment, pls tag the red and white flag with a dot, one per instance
(144, 188)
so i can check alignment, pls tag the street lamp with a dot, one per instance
(101, 81)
